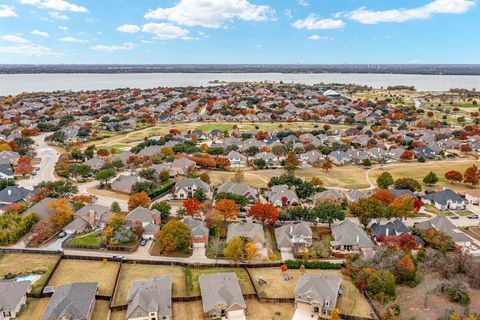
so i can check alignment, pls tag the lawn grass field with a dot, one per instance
(23, 264)
(187, 310)
(34, 309)
(351, 302)
(131, 272)
(118, 315)
(274, 311)
(418, 171)
(70, 271)
(101, 310)
(193, 286)
(89, 239)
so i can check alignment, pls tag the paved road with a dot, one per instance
(49, 157)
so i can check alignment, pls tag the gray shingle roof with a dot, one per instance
(220, 288)
(317, 289)
(73, 301)
(348, 233)
(248, 230)
(11, 293)
(153, 295)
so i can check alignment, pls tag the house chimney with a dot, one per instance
(291, 229)
(9, 192)
(386, 232)
(358, 239)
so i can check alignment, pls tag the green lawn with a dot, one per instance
(89, 239)
(193, 286)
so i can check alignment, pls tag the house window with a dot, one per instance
(316, 309)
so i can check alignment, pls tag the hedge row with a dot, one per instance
(295, 264)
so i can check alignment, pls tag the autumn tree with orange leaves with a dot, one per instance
(140, 199)
(61, 213)
(472, 175)
(226, 208)
(192, 206)
(24, 166)
(264, 212)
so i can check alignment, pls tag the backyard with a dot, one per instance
(93, 238)
(194, 286)
(101, 310)
(34, 309)
(274, 311)
(70, 271)
(16, 264)
(131, 272)
(351, 302)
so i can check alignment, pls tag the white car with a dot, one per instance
(472, 247)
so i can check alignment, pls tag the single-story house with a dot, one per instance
(473, 196)
(350, 237)
(13, 297)
(239, 189)
(147, 218)
(446, 199)
(150, 299)
(222, 296)
(393, 228)
(294, 237)
(198, 231)
(441, 223)
(281, 196)
(249, 230)
(124, 183)
(14, 194)
(237, 160)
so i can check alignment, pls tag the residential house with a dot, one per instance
(355, 195)
(316, 296)
(181, 166)
(392, 228)
(41, 210)
(9, 157)
(95, 163)
(147, 218)
(424, 152)
(402, 192)
(150, 299)
(330, 195)
(248, 230)
(199, 232)
(441, 223)
(74, 301)
(271, 159)
(281, 196)
(446, 199)
(124, 183)
(294, 238)
(473, 196)
(186, 188)
(14, 194)
(151, 151)
(240, 189)
(350, 237)
(222, 296)
(13, 297)
(313, 157)
(237, 160)
(6, 171)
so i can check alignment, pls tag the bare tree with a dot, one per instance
(216, 245)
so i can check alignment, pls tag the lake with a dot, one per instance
(17, 83)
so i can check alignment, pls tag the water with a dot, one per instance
(17, 83)
(30, 277)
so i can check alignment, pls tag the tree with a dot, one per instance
(381, 286)
(234, 250)
(199, 194)
(260, 163)
(383, 195)
(205, 177)
(335, 314)
(454, 176)
(115, 207)
(402, 207)
(174, 237)
(241, 201)
(408, 183)
(102, 153)
(24, 166)
(140, 199)
(264, 212)
(251, 251)
(192, 206)
(116, 221)
(328, 212)
(164, 208)
(148, 174)
(226, 208)
(216, 245)
(367, 209)
(238, 176)
(80, 170)
(57, 189)
(62, 213)
(327, 165)
(385, 180)
(472, 175)
(406, 269)
(407, 155)
(291, 162)
(430, 179)
(367, 163)
(316, 182)
(105, 175)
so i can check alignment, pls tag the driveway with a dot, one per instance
(49, 157)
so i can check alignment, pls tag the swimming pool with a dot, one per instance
(29, 277)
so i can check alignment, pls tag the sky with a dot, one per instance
(239, 31)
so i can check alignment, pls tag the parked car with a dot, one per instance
(143, 242)
(472, 247)
(62, 234)
(454, 217)
(472, 216)
(119, 257)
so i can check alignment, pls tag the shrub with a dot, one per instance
(381, 286)
(295, 264)
(456, 292)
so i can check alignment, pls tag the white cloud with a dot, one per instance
(313, 22)
(365, 16)
(73, 40)
(303, 3)
(14, 38)
(288, 13)
(147, 41)
(166, 31)
(129, 28)
(113, 48)
(58, 16)
(57, 5)
(211, 13)
(39, 33)
(64, 28)
(29, 50)
(316, 37)
(7, 11)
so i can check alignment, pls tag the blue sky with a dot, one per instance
(239, 31)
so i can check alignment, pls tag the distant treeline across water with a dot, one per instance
(433, 69)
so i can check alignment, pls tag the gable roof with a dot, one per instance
(348, 233)
(441, 223)
(11, 293)
(442, 197)
(220, 288)
(154, 295)
(14, 194)
(391, 228)
(238, 189)
(291, 233)
(142, 214)
(197, 227)
(318, 288)
(73, 301)
(248, 230)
